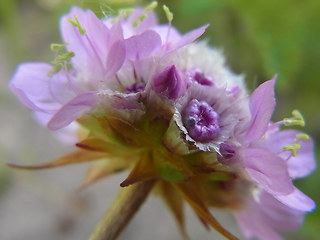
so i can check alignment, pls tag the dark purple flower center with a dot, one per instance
(201, 121)
(136, 87)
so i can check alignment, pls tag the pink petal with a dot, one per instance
(116, 57)
(73, 110)
(141, 46)
(117, 29)
(169, 41)
(297, 200)
(150, 20)
(304, 163)
(267, 170)
(253, 225)
(279, 215)
(262, 104)
(30, 84)
(84, 57)
(301, 165)
(189, 37)
(262, 218)
(67, 135)
(91, 48)
(275, 140)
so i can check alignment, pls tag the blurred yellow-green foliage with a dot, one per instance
(259, 38)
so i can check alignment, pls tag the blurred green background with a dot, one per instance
(259, 38)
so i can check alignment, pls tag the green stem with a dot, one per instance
(126, 204)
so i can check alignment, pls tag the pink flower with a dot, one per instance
(210, 116)
(154, 101)
(111, 56)
(263, 218)
(263, 159)
(278, 205)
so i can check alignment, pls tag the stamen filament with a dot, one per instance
(139, 20)
(151, 6)
(56, 47)
(169, 16)
(293, 148)
(303, 137)
(296, 120)
(75, 22)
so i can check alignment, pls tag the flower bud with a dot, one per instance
(169, 82)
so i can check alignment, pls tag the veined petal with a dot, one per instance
(141, 46)
(31, 85)
(149, 21)
(304, 163)
(297, 200)
(68, 135)
(253, 225)
(116, 57)
(91, 48)
(262, 218)
(262, 104)
(267, 170)
(169, 35)
(73, 110)
(279, 215)
(189, 37)
(301, 165)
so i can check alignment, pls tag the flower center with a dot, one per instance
(136, 87)
(201, 121)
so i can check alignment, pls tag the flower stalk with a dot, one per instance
(126, 204)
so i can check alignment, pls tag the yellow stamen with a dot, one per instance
(139, 20)
(168, 13)
(293, 148)
(127, 11)
(64, 57)
(56, 47)
(303, 137)
(56, 68)
(296, 120)
(151, 6)
(75, 22)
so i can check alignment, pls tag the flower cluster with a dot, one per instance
(139, 95)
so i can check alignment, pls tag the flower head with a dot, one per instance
(209, 115)
(154, 101)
